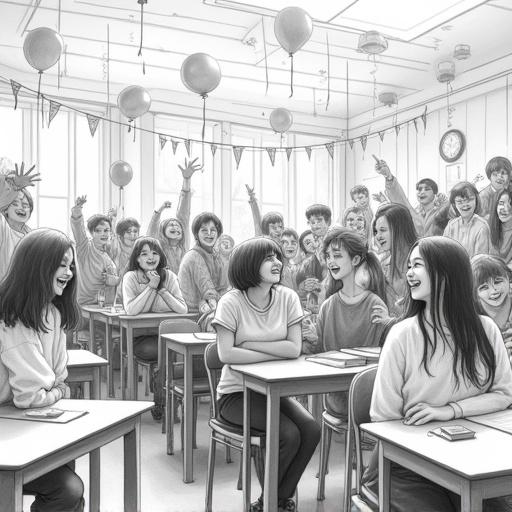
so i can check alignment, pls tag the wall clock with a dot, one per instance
(452, 145)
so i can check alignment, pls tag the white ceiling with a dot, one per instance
(420, 34)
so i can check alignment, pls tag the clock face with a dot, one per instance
(452, 145)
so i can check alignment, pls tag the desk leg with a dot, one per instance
(272, 455)
(91, 333)
(96, 384)
(246, 454)
(384, 481)
(130, 379)
(349, 454)
(11, 491)
(470, 498)
(94, 480)
(188, 419)
(122, 336)
(110, 353)
(132, 469)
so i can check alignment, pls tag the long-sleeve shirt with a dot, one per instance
(139, 297)
(92, 263)
(33, 365)
(256, 216)
(487, 197)
(474, 235)
(402, 381)
(504, 250)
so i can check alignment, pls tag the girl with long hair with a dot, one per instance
(37, 305)
(443, 361)
(500, 223)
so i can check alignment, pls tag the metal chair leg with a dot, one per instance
(325, 444)
(209, 474)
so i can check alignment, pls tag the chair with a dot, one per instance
(231, 436)
(359, 399)
(175, 393)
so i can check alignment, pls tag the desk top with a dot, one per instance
(293, 369)
(23, 442)
(485, 456)
(77, 358)
(190, 338)
(105, 311)
(157, 316)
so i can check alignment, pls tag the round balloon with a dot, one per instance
(43, 47)
(200, 73)
(293, 27)
(121, 173)
(133, 101)
(281, 119)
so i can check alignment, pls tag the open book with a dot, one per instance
(347, 357)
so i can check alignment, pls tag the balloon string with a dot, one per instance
(291, 76)
(265, 50)
(39, 98)
(141, 27)
(204, 96)
(134, 130)
(328, 71)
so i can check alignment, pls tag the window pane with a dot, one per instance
(54, 213)
(11, 134)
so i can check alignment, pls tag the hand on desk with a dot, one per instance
(423, 413)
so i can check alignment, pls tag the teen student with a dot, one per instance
(498, 171)
(361, 197)
(271, 224)
(127, 231)
(16, 206)
(37, 305)
(443, 361)
(354, 219)
(468, 228)
(310, 273)
(260, 320)
(500, 223)
(173, 233)
(150, 287)
(290, 246)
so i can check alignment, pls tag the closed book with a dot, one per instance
(371, 354)
(456, 432)
(337, 359)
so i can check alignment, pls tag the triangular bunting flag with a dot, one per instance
(397, 128)
(237, 151)
(381, 135)
(351, 143)
(424, 118)
(54, 108)
(93, 123)
(213, 147)
(364, 139)
(288, 153)
(15, 89)
(272, 154)
(308, 151)
(330, 149)
(187, 145)
(174, 145)
(415, 121)
(163, 141)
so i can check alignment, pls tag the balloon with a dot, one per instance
(200, 73)
(121, 173)
(293, 27)
(43, 47)
(134, 101)
(281, 119)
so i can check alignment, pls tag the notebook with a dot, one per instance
(13, 413)
(371, 354)
(338, 359)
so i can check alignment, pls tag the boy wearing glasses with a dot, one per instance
(498, 170)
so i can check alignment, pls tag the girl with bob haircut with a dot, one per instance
(37, 305)
(443, 361)
(150, 287)
(468, 228)
(260, 320)
(394, 233)
(500, 223)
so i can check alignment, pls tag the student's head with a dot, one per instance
(255, 261)
(426, 191)
(147, 255)
(491, 280)
(128, 230)
(100, 227)
(354, 219)
(272, 225)
(307, 242)
(225, 244)
(499, 170)
(20, 209)
(440, 282)
(345, 253)
(360, 195)
(319, 219)
(171, 229)
(42, 271)
(289, 243)
(465, 200)
(206, 228)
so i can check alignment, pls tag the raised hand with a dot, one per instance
(21, 179)
(441, 199)
(190, 167)
(250, 191)
(165, 204)
(382, 168)
(112, 212)
(380, 197)
(80, 201)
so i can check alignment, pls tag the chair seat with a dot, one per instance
(199, 387)
(236, 431)
(335, 422)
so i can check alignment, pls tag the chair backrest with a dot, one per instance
(213, 366)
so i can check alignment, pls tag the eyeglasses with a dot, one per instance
(467, 200)
(501, 172)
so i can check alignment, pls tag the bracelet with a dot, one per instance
(457, 410)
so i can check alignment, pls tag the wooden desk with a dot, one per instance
(127, 324)
(109, 318)
(188, 345)
(84, 366)
(476, 469)
(29, 449)
(276, 379)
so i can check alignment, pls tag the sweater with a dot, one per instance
(474, 236)
(9, 239)
(33, 364)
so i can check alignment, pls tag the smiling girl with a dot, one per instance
(37, 304)
(468, 228)
(500, 223)
(354, 219)
(443, 361)
(259, 320)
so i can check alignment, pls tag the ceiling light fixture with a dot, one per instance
(462, 51)
(388, 98)
(372, 42)
(446, 71)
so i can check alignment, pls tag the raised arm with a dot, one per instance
(77, 222)
(15, 181)
(255, 209)
(184, 203)
(154, 223)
